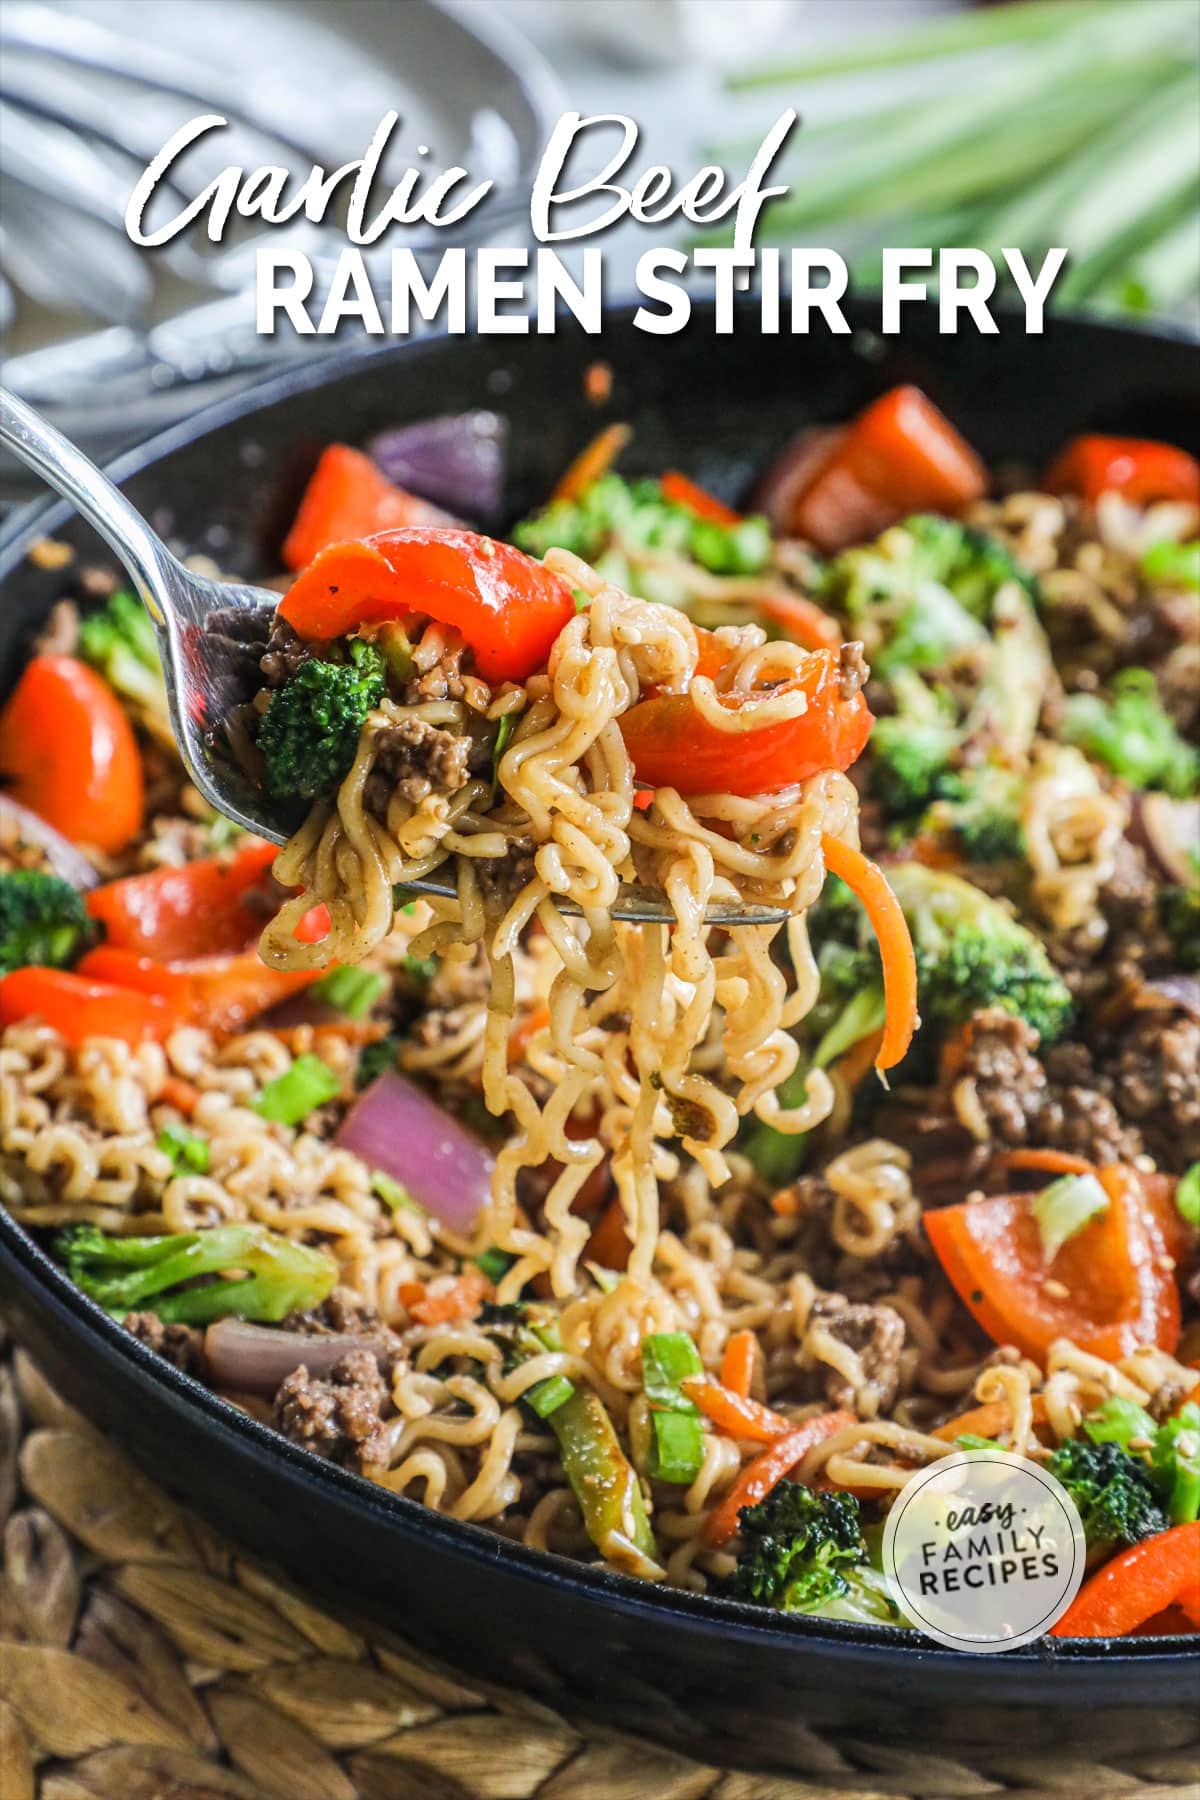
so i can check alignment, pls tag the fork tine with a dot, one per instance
(635, 905)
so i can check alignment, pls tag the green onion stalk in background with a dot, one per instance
(1029, 125)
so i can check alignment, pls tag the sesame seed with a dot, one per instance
(1057, 1290)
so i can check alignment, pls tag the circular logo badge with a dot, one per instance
(984, 1550)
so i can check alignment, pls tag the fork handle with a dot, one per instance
(36, 443)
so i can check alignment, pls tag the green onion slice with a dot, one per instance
(352, 991)
(1064, 1208)
(290, 1098)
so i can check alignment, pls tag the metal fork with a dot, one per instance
(206, 632)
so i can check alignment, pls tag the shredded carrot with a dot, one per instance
(737, 1364)
(987, 1420)
(461, 1300)
(867, 881)
(803, 620)
(182, 1095)
(736, 1414)
(594, 460)
(681, 490)
(1054, 1162)
(521, 1033)
(768, 1470)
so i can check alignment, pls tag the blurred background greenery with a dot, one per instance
(1039, 122)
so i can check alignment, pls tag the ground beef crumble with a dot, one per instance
(1020, 1103)
(179, 1345)
(1155, 1079)
(419, 759)
(876, 1335)
(285, 652)
(340, 1419)
(341, 1312)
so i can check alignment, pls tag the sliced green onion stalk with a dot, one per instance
(1187, 1197)
(394, 1194)
(1175, 1461)
(677, 1451)
(187, 1152)
(351, 991)
(494, 1263)
(1121, 1422)
(508, 725)
(545, 1397)
(1063, 1209)
(292, 1096)
(1178, 563)
(603, 1481)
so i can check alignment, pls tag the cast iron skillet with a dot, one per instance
(716, 1679)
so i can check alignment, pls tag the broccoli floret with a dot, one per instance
(1179, 915)
(1133, 736)
(987, 815)
(911, 751)
(376, 1059)
(972, 953)
(272, 1275)
(919, 594)
(973, 565)
(614, 519)
(43, 920)
(1115, 1493)
(119, 641)
(310, 730)
(804, 1552)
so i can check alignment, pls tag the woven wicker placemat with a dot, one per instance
(143, 1658)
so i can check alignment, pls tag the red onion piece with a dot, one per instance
(19, 825)
(1170, 830)
(456, 460)
(782, 487)
(400, 1130)
(254, 1359)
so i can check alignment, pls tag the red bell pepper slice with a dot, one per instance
(348, 497)
(212, 906)
(1140, 468)
(126, 969)
(67, 751)
(900, 456)
(79, 1008)
(801, 620)
(1118, 1295)
(508, 608)
(673, 746)
(222, 993)
(229, 991)
(1146, 1579)
(680, 490)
